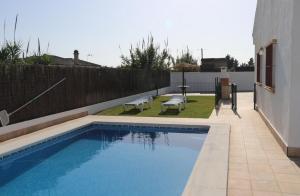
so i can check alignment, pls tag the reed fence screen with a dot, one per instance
(83, 86)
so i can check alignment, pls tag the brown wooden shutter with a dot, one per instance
(269, 66)
(258, 68)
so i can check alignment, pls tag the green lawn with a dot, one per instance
(197, 107)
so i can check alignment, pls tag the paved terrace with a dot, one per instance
(257, 165)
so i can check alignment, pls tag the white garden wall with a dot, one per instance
(205, 81)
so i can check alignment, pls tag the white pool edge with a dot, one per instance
(210, 172)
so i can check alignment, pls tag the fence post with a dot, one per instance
(254, 96)
(234, 97)
(235, 103)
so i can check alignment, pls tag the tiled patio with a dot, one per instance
(257, 165)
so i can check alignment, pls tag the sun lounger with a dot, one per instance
(177, 101)
(139, 103)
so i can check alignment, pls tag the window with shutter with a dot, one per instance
(258, 68)
(269, 66)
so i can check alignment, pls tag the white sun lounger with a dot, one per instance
(177, 101)
(139, 103)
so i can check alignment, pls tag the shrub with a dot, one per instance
(10, 52)
(147, 56)
(186, 57)
(40, 60)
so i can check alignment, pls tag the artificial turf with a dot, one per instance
(196, 107)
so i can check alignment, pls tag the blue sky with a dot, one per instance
(99, 27)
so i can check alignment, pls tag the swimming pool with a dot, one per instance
(102, 159)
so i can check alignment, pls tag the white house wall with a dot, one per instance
(274, 21)
(205, 81)
(294, 136)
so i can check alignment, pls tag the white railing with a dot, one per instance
(194, 87)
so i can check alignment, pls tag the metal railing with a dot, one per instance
(254, 96)
(234, 97)
(195, 87)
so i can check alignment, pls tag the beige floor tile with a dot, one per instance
(238, 192)
(237, 159)
(238, 154)
(237, 144)
(271, 147)
(283, 166)
(256, 154)
(238, 166)
(284, 170)
(281, 163)
(263, 193)
(276, 156)
(239, 174)
(257, 161)
(253, 147)
(288, 178)
(296, 166)
(264, 185)
(260, 168)
(262, 176)
(252, 142)
(237, 147)
(234, 183)
(291, 188)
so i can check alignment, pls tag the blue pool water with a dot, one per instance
(100, 160)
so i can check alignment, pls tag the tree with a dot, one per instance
(235, 64)
(147, 56)
(186, 57)
(251, 62)
(232, 63)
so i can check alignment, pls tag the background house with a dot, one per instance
(213, 64)
(56, 60)
(276, 37)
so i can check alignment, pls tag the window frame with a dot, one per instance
(269, 67)
(258, 68)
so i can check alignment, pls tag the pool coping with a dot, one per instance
(209, 175)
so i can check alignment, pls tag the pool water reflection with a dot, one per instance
(106, 162)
